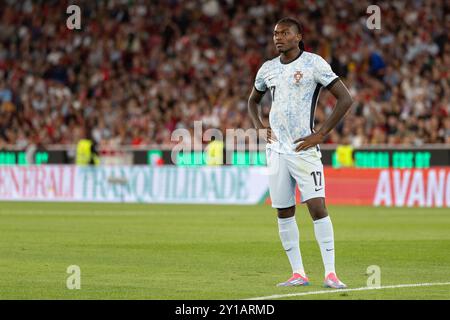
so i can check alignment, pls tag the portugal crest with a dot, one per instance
(298, 75)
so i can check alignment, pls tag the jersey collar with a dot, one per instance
(298, 56)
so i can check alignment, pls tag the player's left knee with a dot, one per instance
(319, 214)
(317, 209)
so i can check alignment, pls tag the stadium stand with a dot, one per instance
(137, 70)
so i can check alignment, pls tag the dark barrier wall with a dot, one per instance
(363, 158)
(8, 157)
(394, 158)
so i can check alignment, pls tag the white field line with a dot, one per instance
(278, 296)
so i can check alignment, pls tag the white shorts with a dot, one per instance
(286, 170)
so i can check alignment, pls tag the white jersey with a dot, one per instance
(295, 88)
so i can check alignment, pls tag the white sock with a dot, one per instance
(323, 229)
(289, 236)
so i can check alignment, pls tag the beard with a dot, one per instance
(284, 49)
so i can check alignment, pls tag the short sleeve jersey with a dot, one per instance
(295, 89)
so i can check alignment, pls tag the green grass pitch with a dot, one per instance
(142, 251)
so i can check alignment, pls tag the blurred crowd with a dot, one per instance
(137, 70)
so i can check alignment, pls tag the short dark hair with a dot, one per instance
(298, 25)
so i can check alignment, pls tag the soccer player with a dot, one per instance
(295, 79)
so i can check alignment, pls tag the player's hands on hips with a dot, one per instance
(309, 141)
(269, 136)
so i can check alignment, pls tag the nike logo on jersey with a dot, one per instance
(318, 189)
